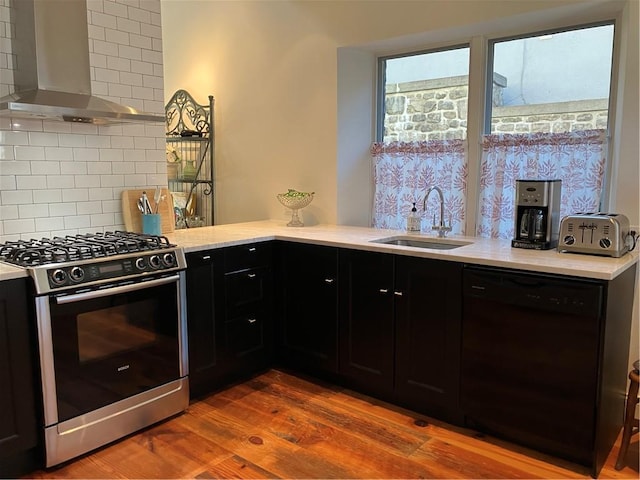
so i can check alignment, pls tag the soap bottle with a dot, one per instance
(413, 220)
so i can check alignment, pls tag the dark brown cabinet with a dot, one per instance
(427, 336)
(367, 321)
(18, 380)
(400, 329)
(229, 314)
(308, 308)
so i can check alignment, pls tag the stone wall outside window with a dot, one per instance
(437, 110)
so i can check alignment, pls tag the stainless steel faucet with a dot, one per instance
(441, 228)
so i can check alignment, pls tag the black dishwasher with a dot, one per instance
(530, 350)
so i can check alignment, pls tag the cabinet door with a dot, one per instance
(366, 321)
(204, 361)
(428, 319)
(18, 428)
(308, 330)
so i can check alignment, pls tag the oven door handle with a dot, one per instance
(107, 292)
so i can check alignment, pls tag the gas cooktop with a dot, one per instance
(92, 259)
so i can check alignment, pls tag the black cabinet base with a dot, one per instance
(22, 463)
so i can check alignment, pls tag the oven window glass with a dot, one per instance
(109, 348)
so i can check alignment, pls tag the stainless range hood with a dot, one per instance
(52, 73)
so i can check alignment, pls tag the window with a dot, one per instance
(546, 117)
(423, 130)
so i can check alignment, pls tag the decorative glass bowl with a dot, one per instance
(295, 201)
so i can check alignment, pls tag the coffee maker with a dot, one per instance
(537, 214)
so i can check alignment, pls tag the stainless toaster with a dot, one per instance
(594, 234)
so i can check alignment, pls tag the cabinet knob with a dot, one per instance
(251, 275)
(398, 294)
(384, 290)
(251, 320)
(252, 249)
(328, 280)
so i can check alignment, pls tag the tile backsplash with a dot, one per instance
(60, 178)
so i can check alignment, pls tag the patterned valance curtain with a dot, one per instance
(403, 171)
(576, 158)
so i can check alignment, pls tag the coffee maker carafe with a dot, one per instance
(537, 214)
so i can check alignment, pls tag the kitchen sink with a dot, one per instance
(423, 242)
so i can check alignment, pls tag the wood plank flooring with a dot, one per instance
(277, 425)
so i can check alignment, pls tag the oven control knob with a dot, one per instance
(59, 277)
(140, 263)
(168, 259)
(76, 274)
(569, 240)
(154, 261)
(605, 242)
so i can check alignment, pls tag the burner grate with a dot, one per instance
(31, 253)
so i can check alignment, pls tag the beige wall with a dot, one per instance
(299, 57)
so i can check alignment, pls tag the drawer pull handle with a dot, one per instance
(383, 290)
(251, 320)
(252, 249)
(329, 280)
(206, 257)
(399, 294)
(251, 275)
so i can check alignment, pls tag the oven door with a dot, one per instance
(109, 344)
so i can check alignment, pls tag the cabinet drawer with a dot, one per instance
(247, 256)
(245, 334)
(245, 287)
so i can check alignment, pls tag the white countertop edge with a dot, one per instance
(484, 252)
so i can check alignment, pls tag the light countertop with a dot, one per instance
(488, 252)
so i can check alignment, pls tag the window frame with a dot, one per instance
(479, 116)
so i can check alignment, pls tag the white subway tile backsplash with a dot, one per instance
(45, 167)
(102, 20)
(7, 182)
(110, 155)
(72, 140)
(136, 180)
(132, 53)
(124, 168)
(8, 212)
(26, 225)
(116, 36)
(87, 181)
(15, 167)
(13, 138)
(16, 197)
(62, 209)
(116, 9)
(112, 180)
(142, 67)
(140, 41)
(60, 181)
(139, 15)
(99, 168)
(33, 211)
(47, 196)
(98, 141)
(6, 153)
(59, 178)
(86, 154)
(88, 208)
(102, 193)
(58, 153)
(49, 223)
(78, 221)
(75, 195)
(31, 182)
(102, 219)
(43, 139)
(23, 152)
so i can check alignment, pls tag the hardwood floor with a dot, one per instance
(281, 426)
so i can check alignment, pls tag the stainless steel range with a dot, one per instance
(111, 322)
